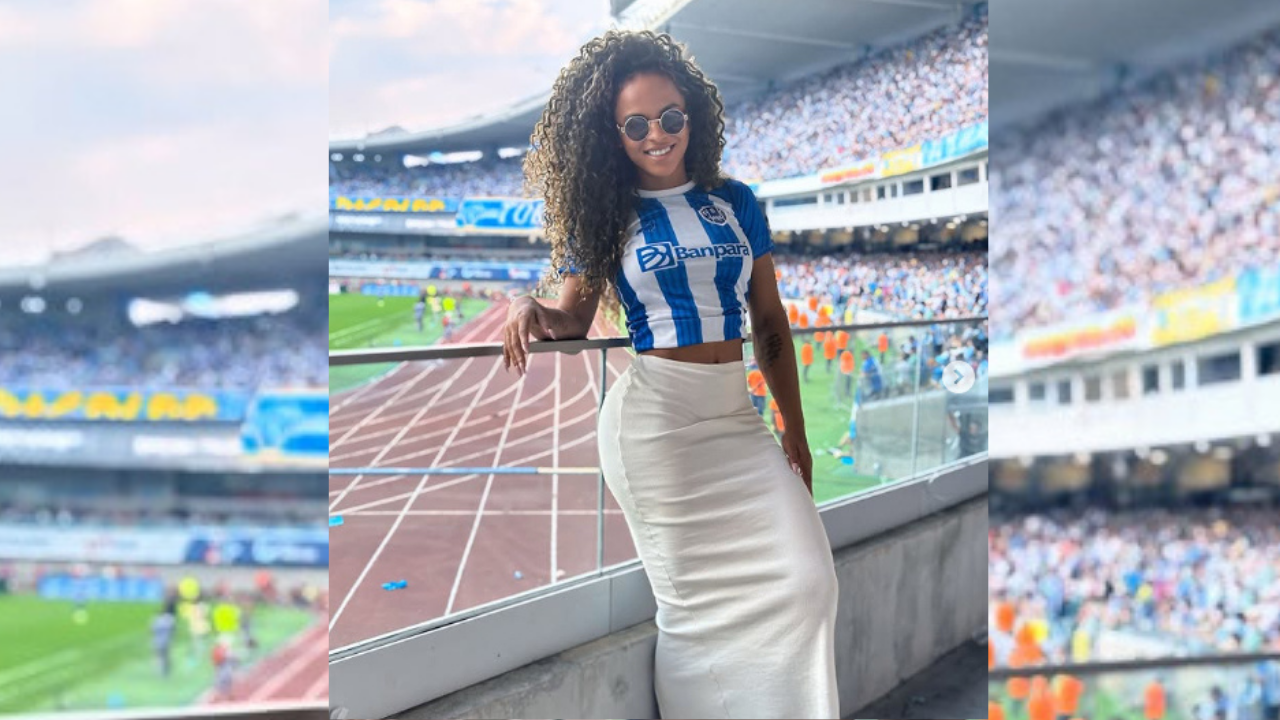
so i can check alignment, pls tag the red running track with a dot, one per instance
(459, 539)
(297, 672)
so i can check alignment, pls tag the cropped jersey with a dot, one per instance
(686, 269)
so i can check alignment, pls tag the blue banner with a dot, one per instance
(108, 404)
(390, 290)
(98, 589)
(500, 214)
(288, 427)
(1259, 292)
(273, 548)
(429, 271)
(393, 204)
(957, 144)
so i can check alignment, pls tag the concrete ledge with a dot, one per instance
(907, 598)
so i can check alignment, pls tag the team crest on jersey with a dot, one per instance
(713, 215)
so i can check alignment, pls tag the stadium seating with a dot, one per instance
(1161, 186)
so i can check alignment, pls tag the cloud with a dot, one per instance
(421, 64)
(161, 121)
(15, 28)
(228, 42)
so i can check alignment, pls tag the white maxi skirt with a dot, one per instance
(731, 541)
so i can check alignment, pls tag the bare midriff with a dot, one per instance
(708, 353)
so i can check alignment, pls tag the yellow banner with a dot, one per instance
(1186, 315)
(138, 406)
(391, 204)
(897, 162)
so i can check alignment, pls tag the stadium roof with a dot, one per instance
(741, 44)
(270, 256)
(1049, 53)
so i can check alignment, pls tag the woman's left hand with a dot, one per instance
(796, 446)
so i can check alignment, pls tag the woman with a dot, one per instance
(627, 156)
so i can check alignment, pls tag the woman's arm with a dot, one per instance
(771, 336)
(571, 318)
(776, 356)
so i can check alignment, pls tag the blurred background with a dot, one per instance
(1134, 544)
(163, 399)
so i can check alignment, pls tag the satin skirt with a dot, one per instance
(731, 541)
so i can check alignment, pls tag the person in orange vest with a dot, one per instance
(757, 385)
(1067, 696)
(846, 369)
(883, 346)
(806, 358)
(1153, 705)
(1040, 703)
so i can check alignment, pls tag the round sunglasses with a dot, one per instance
(636, 127)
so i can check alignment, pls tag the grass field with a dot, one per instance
(365, 321)
(359, 321)
(49, 662)
(826, 420)
(1094, 703)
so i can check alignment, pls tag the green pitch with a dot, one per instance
(364, 321)
(51, 662)
(826, 420)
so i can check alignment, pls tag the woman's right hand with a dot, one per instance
(526, 317)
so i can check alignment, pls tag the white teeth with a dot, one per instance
(658, 153)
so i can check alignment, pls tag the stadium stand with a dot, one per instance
(227, 354)
(1150, 189)
(849, 112)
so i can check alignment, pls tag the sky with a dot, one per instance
(164, 122)
(422, 64)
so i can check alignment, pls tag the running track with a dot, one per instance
(297, 672)
(459, 539)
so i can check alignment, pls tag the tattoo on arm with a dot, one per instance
(772, 351)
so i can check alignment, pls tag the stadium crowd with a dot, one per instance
(909, 286)
(489, 177)
(920, 90)
(1167, 183)
(274, 351)
(1205, 580)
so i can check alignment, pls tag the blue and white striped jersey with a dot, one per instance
(687, 266)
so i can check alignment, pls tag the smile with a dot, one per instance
(659, 153)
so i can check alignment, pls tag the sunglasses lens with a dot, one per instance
(636, 128)
(672, 122)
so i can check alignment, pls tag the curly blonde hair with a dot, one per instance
(578, 165)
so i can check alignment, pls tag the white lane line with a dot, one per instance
(305, 654)
(484, 498)
(399, 520)
(441, 486)
(405, 429)
(470, 513)
(398, 394)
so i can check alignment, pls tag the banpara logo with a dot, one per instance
(656, 256)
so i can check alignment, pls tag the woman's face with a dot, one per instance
(659, 157)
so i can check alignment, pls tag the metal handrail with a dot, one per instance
(1098, 668)
(468, 350)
